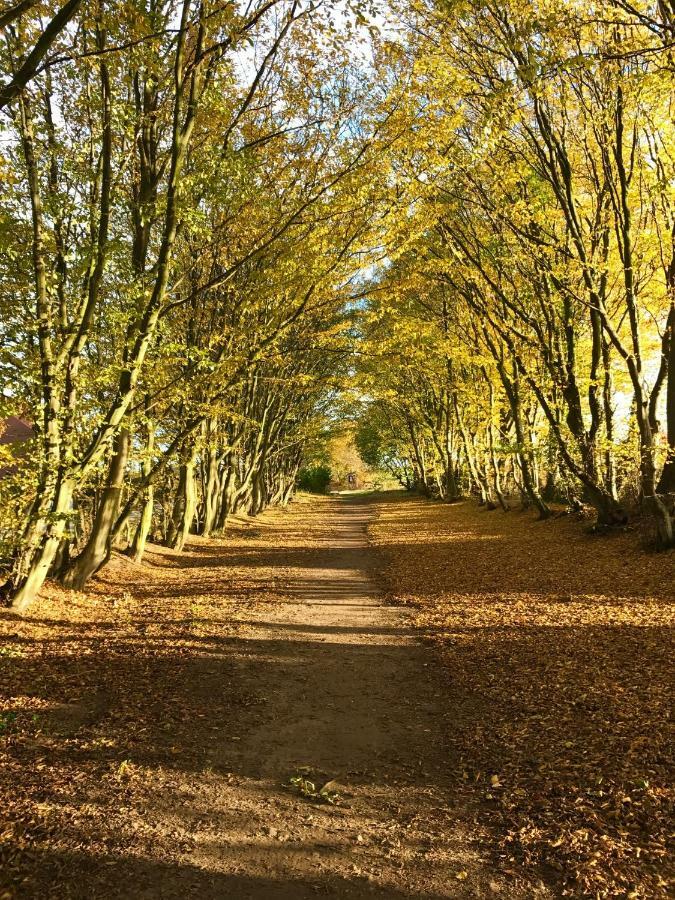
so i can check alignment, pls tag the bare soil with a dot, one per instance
(173, 728)
(356, 697)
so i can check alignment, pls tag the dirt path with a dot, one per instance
(158, 722)
(345, 699)
(503, 731)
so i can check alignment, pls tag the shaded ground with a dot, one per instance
(558, 651)
(502, 731)
(172, 726)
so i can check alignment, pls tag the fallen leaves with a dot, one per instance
(109, 697)
(558, 651)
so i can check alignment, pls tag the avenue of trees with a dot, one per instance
(519, 338)
(214, 215)
(184, 199)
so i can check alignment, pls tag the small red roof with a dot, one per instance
(13, 430)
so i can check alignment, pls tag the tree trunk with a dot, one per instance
(494, 462)
(528, 483)
(98, 548)
(666, 483)
(226, 493)
(185, 505)
(140, 539)
(258, 494)
(30, 577)
(212, 491)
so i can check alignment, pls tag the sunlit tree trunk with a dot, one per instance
(98, 548)
(185, 504)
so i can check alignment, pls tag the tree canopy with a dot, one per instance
(221, 221)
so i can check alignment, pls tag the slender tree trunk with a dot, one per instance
(512, 388)
(98, 548)
(142, 533)
(184, 506)
(43, 529)
(212, 488)
(610, 467)
(227, 493)
(258, 494)
(422, 481)
(666, 483)
(492, 451)
(52, 529)
(140, 539)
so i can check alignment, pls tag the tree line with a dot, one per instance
(520, 334)
(223, 221)
(184, 201)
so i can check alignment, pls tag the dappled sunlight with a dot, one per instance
(410, 538)
(558, 651)
(531, 610)
(162, 714)
(555, 559)
(337, 449)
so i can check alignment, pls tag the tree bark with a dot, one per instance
(98, 548)
(184, 505)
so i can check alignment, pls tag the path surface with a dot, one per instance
(347, 700)
(151, 729)
(164, 715)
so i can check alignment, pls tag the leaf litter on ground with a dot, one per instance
(557, 649)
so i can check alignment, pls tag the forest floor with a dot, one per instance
(365, 697)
